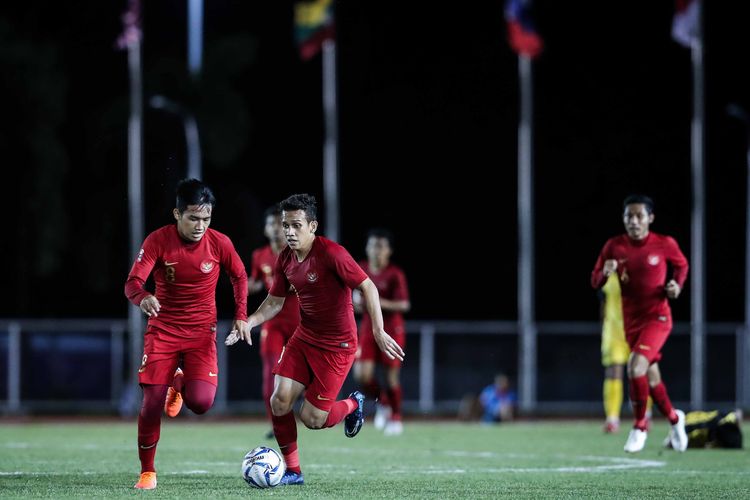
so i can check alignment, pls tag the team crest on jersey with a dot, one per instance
(653, 259)
(207, 266)
(266, 269)
(312, 276)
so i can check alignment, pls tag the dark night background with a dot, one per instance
(428, 102)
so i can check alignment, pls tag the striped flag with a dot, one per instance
(522, 34)
(313, 24)
(685, 22)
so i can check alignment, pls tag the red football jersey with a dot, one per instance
(186, 274)
(391, 285)
(323, 283)
(261, 268)
(642, 268)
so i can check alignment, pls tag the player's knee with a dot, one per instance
(279, 405)
(200, 405)
(313, 421)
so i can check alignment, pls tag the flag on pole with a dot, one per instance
(522, 34)
(131, 23)
(313, 24)
(685, 22)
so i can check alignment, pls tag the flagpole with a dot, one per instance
(525, 286)
(330, 147)
(131, 40)
(697, 160)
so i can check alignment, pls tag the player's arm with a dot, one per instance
(372, 305)
(135, 285)
(269, 308)
(605, 265)
(680, 266)
(399, 301)
(401, 306)
(255, 280)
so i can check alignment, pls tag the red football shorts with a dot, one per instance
(650, 338)
(321, 371)
(162, 351)
(369, 350)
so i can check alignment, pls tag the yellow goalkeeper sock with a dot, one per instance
(612, 393)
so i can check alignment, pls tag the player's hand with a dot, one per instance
(673, 289)
(240, 331)
(610, 266)
(150, 305)
(389, 346)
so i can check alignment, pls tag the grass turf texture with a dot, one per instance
(197, 459)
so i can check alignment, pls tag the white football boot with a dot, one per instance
(382, 414)
(636, 441)
(677, 435)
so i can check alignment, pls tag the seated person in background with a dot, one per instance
(498, 400)
(712, 429)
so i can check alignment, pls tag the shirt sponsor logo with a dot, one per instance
(207, 266)
(312, 276)
(653, 260)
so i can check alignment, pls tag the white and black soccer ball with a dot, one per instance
(263, 467)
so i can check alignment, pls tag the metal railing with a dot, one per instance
(426, 332)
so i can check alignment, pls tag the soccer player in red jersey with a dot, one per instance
(318, 357)
(276, 332)
(185, 259)
(390, 281)
(640, 258)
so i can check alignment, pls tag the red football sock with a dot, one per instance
(638, 400)
(285, 430)
(371, 389)
(339, 410)
(199, 395)
(661, 398)
(149, 424)
(394, 396)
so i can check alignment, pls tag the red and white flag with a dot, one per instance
(685, 22)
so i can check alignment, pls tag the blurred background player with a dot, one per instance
(615, 352)
(277, 331)
(318, 357)
(185, 259)
(390, 281)
(498, 400)
(640, 259)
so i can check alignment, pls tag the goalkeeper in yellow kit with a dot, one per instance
(615, 352)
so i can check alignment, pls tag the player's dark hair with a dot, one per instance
(305, 202)
(381, 232)
(193, 192)
(272, 211)
(639, 198)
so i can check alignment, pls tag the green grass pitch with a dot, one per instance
(201, 459)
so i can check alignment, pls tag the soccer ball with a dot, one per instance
(263, 467)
